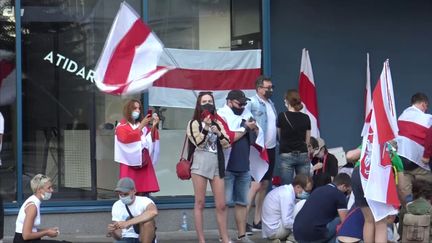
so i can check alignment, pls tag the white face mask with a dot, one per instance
(46, 196)
(126, 200)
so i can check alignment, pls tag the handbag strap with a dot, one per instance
(129, 212)
(184, 146)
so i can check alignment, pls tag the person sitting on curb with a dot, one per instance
(133, 216)
(278, 208)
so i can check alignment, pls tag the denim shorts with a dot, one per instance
(237, 187)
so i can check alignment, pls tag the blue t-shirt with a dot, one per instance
(319, 209)
(239, 157)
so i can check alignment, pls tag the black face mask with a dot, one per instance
(209, 107)
(268, 94)
(237, 111)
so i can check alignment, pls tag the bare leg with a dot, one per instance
(259, 199)
(147, 231)
(381, 230)
(369, 226)
(218, 189)
(199, 185)
(240, 217)
(253, 190)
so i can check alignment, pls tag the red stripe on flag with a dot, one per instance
(120, 62)
(209, 79)
(308, 95)
(413, 131)
(392, 195)
(6, 68)
(385, 131)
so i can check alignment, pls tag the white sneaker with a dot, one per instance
(244, 239)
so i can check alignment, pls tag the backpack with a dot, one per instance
(416, 228)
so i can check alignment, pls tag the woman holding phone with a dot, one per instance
(135, 147)
(208, 136)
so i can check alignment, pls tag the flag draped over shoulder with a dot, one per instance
(368, 99)
(258, 156)
(128, 63)
(307, 91)
(377, 175)
(197, 70)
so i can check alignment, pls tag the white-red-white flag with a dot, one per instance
(198, 70)
(368, 99)
(7, 78)
(307, 91)
(377, 175)
(128, 63)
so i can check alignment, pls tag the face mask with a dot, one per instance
(268, 94)
(303, 195)
(237, 111)
(208, 107)
(126, 200)
(46, 196)
(135, 115)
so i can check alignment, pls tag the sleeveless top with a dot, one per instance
(21, 214)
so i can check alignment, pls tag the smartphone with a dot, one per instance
(149, 112)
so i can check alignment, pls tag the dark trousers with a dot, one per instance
(19, 239)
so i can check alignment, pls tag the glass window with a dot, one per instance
(8, 112)
(191, 24)
(67, 121)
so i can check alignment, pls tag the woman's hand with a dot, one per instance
(215, 130)
(156, 120)
(318, 166)
(145, 121)
(207, 120)
(52, 232)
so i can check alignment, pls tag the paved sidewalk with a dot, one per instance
(212, 236)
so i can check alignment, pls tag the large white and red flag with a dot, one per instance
(377, 175)
(368, 99)
(7, 78)
(128, 63)
(198, 70)
(308, 94)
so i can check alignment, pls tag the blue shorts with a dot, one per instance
(237, 187)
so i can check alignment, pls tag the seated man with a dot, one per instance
(317, 220)
(278, 208)
(131, 214)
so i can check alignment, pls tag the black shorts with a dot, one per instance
(272, 157)
(360, 200)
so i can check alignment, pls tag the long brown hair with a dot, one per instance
(198, 110)
(129, 107)
(293, 98)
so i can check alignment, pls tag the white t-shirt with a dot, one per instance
(1, 123)
(21, 214)
(278, 210)
(119, 213)
(270, 135)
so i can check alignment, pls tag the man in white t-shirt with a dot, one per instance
(279, 206)
(142, 214)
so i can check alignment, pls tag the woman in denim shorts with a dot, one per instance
(207, 138)
(294, 134)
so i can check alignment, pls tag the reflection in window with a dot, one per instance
(7, 103)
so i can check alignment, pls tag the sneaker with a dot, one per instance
(249, 229)
(256, 227)
(244, 239)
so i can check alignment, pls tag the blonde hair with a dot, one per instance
(38, 182)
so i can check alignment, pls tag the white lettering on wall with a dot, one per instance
(70, 66)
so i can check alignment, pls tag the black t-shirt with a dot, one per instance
(292, 138)
(323, 176)
(320, 208)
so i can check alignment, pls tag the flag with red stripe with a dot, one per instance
(368, 99)
(308, 94)
(377, 175)
(128, 63)
(7, 78)
(197, 70)
(413, 125)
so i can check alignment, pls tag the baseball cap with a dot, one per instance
(237, 95)
(125, 184)
(317, 145)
